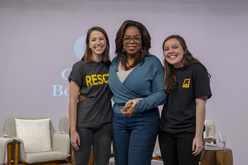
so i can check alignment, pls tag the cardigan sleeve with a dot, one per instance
(158, 94)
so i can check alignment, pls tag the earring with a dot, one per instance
(123, 50)
(141, 50)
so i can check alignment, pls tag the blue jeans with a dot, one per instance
(134, 138)
(100, 138)
(177, 149)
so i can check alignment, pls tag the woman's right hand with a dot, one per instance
(134, 102)
(75, 140)
(81, 97)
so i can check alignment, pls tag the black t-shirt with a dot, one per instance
(179, 112)
(92, 79)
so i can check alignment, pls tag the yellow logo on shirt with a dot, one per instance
(186, 83)
(96, 79)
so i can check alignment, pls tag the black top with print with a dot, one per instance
(92, 79)
(179, 112)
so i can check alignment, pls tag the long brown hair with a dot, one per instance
(170, 72)
(146, 42)
(87, 57)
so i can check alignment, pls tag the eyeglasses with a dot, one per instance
(128, 39)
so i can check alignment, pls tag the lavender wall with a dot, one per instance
(37, 40)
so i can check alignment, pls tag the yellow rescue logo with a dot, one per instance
(186, 83)
(96, 79)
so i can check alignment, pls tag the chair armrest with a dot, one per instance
(61, 142)
(21, 151)
(3, 145)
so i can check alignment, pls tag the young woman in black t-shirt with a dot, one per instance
(182, 119)
(90, 118)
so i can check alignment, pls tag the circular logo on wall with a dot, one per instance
(79, 47)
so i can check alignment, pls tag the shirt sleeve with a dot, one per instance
(202, 83)
(158, 94)
(77, 73)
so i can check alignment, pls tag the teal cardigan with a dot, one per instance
(144, 81)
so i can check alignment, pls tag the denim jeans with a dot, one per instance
(134, 138)
(100, 139)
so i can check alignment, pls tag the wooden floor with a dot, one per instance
(154, 162)
(111, 162)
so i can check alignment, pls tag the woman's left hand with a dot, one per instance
(133, 102)
(197, 145)
(128, 110)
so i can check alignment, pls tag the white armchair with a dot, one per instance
(64, 127)
(209, 132)
(59, 143)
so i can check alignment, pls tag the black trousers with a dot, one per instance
(100, 139)
(177, 149)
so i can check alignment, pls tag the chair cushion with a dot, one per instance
(45, 157)
(35, 134)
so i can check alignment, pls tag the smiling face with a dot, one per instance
(132, 48)
(173, 52)
(97, 43)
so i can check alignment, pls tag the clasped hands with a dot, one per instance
(128, 109)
